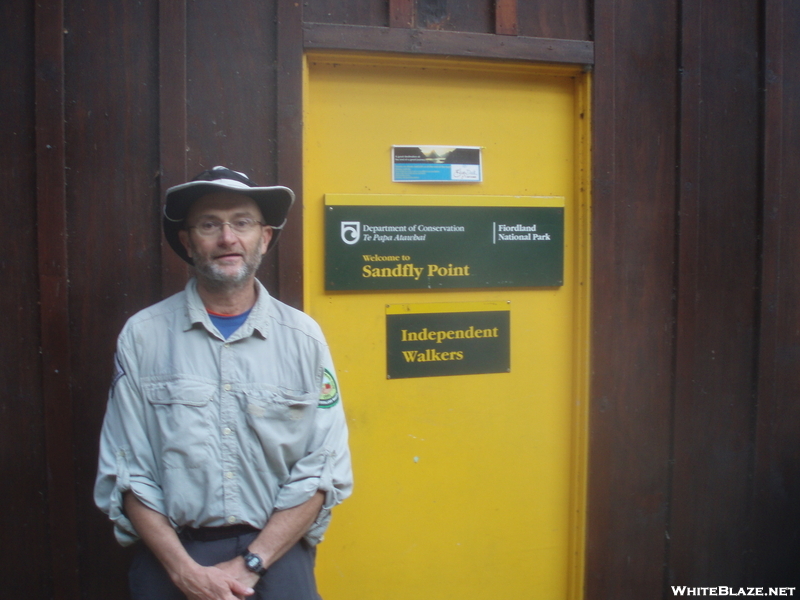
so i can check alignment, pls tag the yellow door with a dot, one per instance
(467, 486)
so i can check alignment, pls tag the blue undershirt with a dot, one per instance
(227, 325)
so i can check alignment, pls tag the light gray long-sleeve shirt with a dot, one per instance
(212, 432)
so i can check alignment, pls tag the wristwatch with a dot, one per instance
(253, 563)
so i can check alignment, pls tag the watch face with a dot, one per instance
(253, 562)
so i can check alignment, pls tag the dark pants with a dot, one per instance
(291, 577)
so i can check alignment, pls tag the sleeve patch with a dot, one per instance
(119, 372)
(329, 396)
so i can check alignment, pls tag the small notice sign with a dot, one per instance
(438, 339)
(443, 164)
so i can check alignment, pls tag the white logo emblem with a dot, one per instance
(351, 232)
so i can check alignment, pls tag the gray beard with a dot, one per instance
(213, 278)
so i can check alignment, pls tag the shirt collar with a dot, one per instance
(257, 320)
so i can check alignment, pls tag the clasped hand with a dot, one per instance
(226, 581)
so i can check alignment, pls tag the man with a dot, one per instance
(224, 445)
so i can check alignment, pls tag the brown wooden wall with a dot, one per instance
(694, 451)
(695, 420)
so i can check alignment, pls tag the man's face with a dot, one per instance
(225, 259)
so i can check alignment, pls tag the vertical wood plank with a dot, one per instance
(477, 16)
(230, 94)
(374, 13)
(558, 19)
(54, 284)
(289, 115)
(114, 245)
(172, 124)
(776, 531)
(401, 13)
(634, 155)
(716, 290)
(24, 518)
(505, 22)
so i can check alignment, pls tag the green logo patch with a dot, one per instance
(330, 391)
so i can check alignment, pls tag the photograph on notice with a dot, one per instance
(427, 164)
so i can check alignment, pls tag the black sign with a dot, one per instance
(369, 247)
(446, 343)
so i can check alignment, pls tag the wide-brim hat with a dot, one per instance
(273, 201)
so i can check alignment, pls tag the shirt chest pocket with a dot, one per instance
(279, 414)
(182, 412)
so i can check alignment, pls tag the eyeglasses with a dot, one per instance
(212, 227)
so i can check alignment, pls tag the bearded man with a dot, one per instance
(224, 445)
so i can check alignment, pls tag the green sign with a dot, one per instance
(462, 339)
(415, 246)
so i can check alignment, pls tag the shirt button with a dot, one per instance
(226, 431)
(227, 346)
(231, 519)
(227, 387)
(230, 475)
